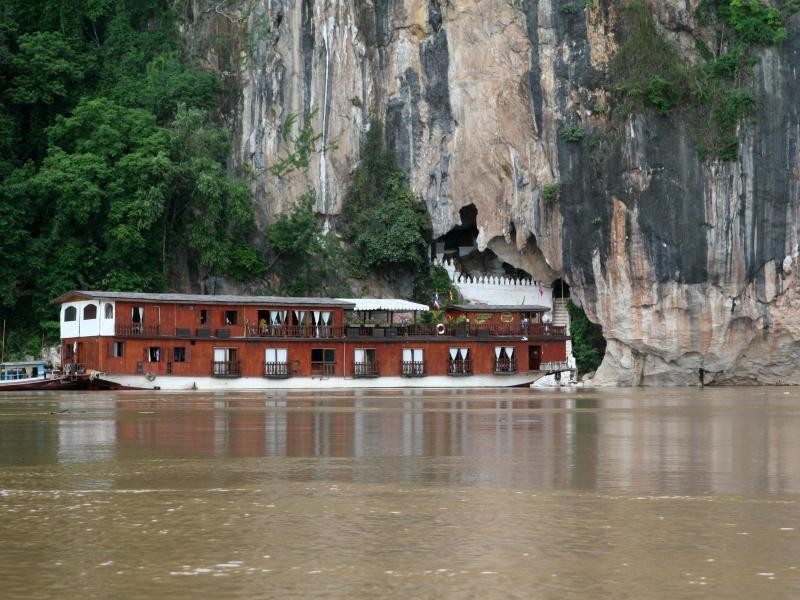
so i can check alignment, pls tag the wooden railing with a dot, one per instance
(323, 369)
(276, 369)
(413, 368)
(139, 329)
(459, 367)
(225, 368)
(504, 366)
(325, 332)
(554, 366)
(296, 331)
(366, 369)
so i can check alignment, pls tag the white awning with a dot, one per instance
(385, 304)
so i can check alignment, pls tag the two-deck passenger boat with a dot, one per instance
(184, 341)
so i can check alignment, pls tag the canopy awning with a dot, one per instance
(384, 304)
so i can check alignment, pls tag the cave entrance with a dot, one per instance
(560, 289)
(460, 245)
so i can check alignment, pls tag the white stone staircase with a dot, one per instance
(560, 317)
(560, 312)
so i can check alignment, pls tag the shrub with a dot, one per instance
(550, 193)
(573, 133)
(588, 344)
(738, 105)
(648, 72)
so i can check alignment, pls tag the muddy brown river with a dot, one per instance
(419, 494)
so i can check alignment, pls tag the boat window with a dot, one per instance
(364, 355)
(70, 314)
(137, 314)
(230, 317)
(413, 355)
(118, 349)
(109, 310)
(325, 355)
(89, 312)
(203, 316)
(275, 355)
(179, 354)
(154, 354)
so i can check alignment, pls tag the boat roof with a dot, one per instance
(385, 304)
(200, 299)
(500, 307)
(25, 363)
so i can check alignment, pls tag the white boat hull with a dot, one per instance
(173, 382)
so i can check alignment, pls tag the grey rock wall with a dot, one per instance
(687, 265)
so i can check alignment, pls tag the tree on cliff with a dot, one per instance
(386, 227)
(110, 165)
(588, 345)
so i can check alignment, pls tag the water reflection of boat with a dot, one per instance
(31, 375)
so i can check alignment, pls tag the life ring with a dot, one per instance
(440, 329)
(150, 376)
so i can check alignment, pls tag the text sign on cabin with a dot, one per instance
(506, 317)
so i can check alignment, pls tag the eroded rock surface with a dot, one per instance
(687, 265)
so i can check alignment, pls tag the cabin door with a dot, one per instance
(534, 357)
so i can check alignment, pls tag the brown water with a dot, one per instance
(423, 494)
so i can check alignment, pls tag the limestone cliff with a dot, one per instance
(687, 264)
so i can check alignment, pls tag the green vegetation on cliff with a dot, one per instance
(588, 345)
(386, 227)
(648, 71)
(112, 172)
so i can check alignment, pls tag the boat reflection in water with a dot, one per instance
(416, 493)
(584, 440)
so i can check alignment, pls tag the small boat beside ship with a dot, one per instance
(205, 342)
(32, 375)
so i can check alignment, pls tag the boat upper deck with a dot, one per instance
(189, 316)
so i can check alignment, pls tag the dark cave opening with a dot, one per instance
(460, 245)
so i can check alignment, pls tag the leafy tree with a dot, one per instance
(110, 169)
(305, 257)
(387, 228)
(588, 345)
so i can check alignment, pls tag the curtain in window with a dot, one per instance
(359, 355)
(326, 318)
(283, 317)
(270, 356)
(453, 353)
(281, 355)
(510, 351)
(497, 350)
(464, 353)
(417, 354)
(408, 355)
(273, 317)
(220, 355)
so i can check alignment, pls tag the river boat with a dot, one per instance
(218, 342)
(30, 375)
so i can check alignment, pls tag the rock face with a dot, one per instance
(686, 264)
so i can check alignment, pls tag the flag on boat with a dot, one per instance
(436, 304)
